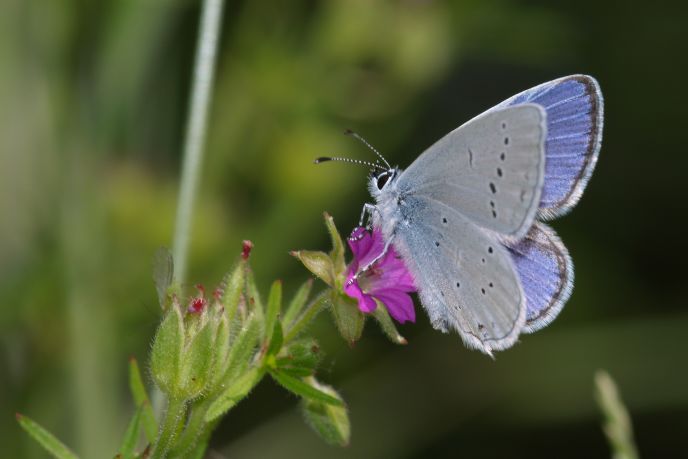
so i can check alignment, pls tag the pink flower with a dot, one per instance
(387, 280)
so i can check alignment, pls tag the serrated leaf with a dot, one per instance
(272, 311)
(47, 440)
(297, 303)
(387, 325)
(138, 392)
(234, 393)
(348, 318)
(329, 421)
(131, 436)
(303, 389)
(166, 352)
(163, 274)
(319, 263)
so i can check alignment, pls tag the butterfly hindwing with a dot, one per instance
(490, 169)
(546, 274)
(466, 280)
(574, 107)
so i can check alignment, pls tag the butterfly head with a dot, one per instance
(380, 179)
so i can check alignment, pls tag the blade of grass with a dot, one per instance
(45, 438)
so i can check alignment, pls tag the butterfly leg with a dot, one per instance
(368, 209)
(365, 268)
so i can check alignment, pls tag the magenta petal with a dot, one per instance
(365, 247)
(398, 304)
(366, 303)
(394, 274)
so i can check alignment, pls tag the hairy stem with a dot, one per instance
(168, 428)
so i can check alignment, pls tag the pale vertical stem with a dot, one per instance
(204, 69)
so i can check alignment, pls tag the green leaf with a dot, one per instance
(167, 350)
(196, 363)
(319, 263)
(234, 393)
(138, 392)
(329, 421)
(131, 436)
(297, 303)
(337, 253)
(47, 440)
(243, 348)
(273, 309)
(348, 318)
(308, 314)
(163, 274)
(300, 359)
(303, 389)
(234, 285)
(277, 339)
(387, 325)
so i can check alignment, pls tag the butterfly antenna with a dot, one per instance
(365, 142)
(323, 159)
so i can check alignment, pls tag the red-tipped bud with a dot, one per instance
(246, 249)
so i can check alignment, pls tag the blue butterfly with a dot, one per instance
(467, 216)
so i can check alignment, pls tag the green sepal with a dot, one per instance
(337, 253)
(254, 303)
(297, 303)
(167, 349)
(275, 343)
(348, 318)
(319, 263)
(196, 363)
(234, 393)
(234, 285)
(272, 310)
(221, 349)
(330, 422)
(387, 325)
(47, 440)
(131, 436)
(242, 349)
(140, 396)
(300, 359)
(303, 389)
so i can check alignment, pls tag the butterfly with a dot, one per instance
(467, 216)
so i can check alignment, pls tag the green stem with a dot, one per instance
(168, 428)
(308, 314)
(195, 429)
(204, 69)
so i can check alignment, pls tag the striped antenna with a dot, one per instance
(365, 142)
(323, 159)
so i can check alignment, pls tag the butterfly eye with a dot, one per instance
(382, 180)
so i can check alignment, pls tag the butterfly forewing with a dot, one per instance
(574, 107)
(490, 170)
(466, 280)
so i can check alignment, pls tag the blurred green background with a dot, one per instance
(93, 97)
